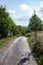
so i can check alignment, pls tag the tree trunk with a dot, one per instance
(35, 37)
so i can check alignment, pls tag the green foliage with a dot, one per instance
(15, 30)
(35, 23)
(22, 31)
(42, 27)
(28, 30)
(3, 21)
(38, 55)
(7, 26)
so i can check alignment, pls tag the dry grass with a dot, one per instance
(39, 39)
(37, 48)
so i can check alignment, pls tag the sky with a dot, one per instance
(22, 10)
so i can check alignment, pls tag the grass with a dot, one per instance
(5, 42)
(30, 42)
(36, 53)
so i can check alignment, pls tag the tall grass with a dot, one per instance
(37, 53)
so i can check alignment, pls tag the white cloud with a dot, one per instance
(12, 13)
(18, 18)
(25, 12)
(41, 3)
(22, 18)
(40, 10)
(22, 23)
(26, 9)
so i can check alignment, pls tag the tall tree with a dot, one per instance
(6, 23)
(35, 24)
(3, 21)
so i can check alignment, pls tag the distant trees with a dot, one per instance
(22, 31)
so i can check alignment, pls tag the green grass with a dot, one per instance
(5, 42)
(38, 56)
(30, 42)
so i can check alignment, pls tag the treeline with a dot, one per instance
(8, 26)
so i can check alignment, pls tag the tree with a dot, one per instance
(22, 31)
(11, 26)
(35, 24)
(6, 23)
(3, 21)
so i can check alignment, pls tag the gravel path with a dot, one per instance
(18, 53)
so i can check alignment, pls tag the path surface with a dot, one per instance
(17, 53)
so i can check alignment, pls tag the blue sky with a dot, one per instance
(22, 10)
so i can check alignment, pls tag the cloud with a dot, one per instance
(11, 11)
(40, 10)
(25, 12)
(21, 18)
(41, 6)
(12, 14)
(26, 9)
(22, 23)
(18, 18)
(41, 3)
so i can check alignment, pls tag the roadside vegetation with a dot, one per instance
(4, 42)
(35, 38)
(8, 29)
(37, 50)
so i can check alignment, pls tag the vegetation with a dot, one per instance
(35, 50)
(34, 40)
(35, 25)
(8, 29)
(5, 42)
(6, 22)
(7, 25)
(22, 30)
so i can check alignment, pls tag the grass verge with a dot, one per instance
(36, 53)
(5, 42)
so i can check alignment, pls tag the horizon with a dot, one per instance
(21, 11)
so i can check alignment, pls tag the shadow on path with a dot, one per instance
(22, 61)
